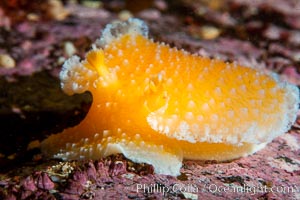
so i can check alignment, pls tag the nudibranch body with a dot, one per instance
(159, 105)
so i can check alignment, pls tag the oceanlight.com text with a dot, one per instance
(213, 188)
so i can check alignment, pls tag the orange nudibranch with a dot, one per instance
(159, 105)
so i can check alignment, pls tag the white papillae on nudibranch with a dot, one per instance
(159, 105)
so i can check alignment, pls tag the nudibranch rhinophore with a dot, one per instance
(159, 105)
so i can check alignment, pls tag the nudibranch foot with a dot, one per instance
(103, 145)
(159, 105)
